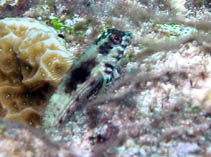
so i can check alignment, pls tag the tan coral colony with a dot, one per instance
(31, 58)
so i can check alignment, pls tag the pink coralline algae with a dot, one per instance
(19, 140)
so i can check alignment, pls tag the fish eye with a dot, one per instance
(116, 38)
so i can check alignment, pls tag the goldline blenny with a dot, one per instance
(95, 69)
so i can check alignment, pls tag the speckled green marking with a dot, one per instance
(173, 30)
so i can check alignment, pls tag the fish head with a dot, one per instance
(112, 43)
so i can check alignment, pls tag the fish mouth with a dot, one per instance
(127, 39)
(128, 33)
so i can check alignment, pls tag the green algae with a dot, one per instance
(58, 25)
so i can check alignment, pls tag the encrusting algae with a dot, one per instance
(32, 58)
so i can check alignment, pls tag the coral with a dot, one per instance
(32, 58)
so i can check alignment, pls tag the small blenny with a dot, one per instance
(95, 69)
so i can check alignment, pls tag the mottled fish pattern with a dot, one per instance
(95, 69)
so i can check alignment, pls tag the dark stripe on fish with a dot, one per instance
(109, 68)
(79, 75)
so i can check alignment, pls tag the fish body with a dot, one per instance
(95, 69)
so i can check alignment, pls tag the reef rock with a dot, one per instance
(30, 143)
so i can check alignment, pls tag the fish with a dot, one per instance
(94, 70)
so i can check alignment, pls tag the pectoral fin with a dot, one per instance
(62, 104)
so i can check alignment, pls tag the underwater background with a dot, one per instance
(160, 105)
